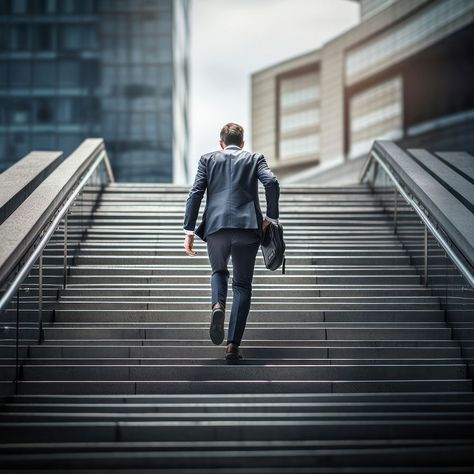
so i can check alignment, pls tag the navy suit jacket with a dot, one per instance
(231, 178)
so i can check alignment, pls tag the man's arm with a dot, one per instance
(272, 189)
(193, 202)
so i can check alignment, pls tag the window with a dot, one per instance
(3, 112)
(89, 38)
(20, 74)
(20, 112)
(296, 120)
(4, 38)
(299, 146)
(18, 146)
(299, 90)
(70, 38)
(66, 110)
(44, 111)
(69, 73)
(69, 6)
(45, 7)
(299, 115)
(44, 73)
(43, 141)
(19, 7)
(3, 73)
(375, 113)
(20, 37)
(68, 142)
(44, 37)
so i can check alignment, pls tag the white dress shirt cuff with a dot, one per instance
(275, 221)
(189, 232)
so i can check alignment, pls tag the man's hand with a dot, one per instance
(188, 245)
(265, 224)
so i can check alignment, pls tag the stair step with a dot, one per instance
(226, 371)
(226, 386)
(350, 363)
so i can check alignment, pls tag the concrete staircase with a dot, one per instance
(349, 361)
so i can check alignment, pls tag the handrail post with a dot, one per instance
(65, 251)
(395, 212)
(40, 297)
(426, 257)
(17, 342)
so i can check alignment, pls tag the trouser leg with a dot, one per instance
(244, 249)
(218, 249)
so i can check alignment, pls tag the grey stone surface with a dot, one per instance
(343, 350)
(22, 227)
(21, 179)
(461, 161)
(461, 187)
(442, 205)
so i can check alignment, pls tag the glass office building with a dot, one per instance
(404, 73)
(118, 69)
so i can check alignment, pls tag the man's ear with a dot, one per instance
(242, 144)
(222, 144)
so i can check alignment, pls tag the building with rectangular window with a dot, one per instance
(118, 69)
(404, 74)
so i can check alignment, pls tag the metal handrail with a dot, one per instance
(365, 167)
(429, 225)
(15, 284)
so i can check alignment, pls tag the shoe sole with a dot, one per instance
(233, 357)
(216, 331)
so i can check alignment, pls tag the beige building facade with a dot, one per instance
(402, 74)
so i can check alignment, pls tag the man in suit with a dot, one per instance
(232, 225)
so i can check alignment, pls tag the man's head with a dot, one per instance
(232, 134)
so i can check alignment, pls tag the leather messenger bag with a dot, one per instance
(273, 247)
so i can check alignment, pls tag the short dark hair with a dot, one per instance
(232, 134)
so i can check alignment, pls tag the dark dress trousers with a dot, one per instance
(232, 222)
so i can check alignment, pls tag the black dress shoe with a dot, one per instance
(232, 352)
(216, 330)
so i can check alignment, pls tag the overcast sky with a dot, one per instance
(232, 39)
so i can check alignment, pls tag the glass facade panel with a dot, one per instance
(43, 141)
(4, 38)
(19, 6)
(375, 113)
(20, 73)
(69, 73)
(44, 73)
(71, 87)
(70, 37)
(20, 37)
(44, 37)
(44, 111)
(20, 112)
